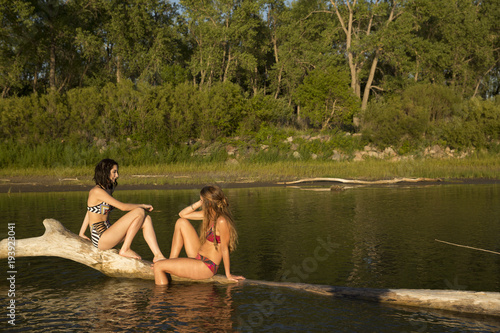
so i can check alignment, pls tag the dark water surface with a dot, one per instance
(363, 237)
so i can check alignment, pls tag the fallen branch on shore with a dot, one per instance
(60, 242)
(363, 182)
(467, 247)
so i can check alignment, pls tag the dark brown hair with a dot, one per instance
(101, 174)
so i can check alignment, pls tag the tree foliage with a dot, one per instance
(143, 69)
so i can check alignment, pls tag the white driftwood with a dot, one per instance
(363, 182)
(60, 242)
(482, 303)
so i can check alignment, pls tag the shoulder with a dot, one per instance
(221, 222)
(97, 190)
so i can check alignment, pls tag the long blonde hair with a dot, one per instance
(214, 206)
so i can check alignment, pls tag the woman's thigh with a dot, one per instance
(116, 233)
(190, 237)
(184, 267)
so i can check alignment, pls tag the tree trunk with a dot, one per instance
(368, 86)
(60, 242)
(52, 69)
(118, 69)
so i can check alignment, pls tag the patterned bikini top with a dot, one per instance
(102, 208)
(210, 236)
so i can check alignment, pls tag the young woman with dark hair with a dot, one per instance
(217, 239)
(100, 203)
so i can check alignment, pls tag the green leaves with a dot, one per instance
(326, 99)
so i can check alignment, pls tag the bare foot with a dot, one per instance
(158, 258)
(129, 254)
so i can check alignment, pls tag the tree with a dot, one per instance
(325, 98)
(228, 42)
(301, 43)
(363, 24)
(140, 38)
(15, 17)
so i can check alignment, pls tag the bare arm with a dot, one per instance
(224, 248)
(100, 195)
(85, 224)
(191, 212)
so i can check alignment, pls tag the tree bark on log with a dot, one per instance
(60, 242)
(363, 182)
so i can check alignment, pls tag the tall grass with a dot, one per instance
(195, 173)
(268, 159)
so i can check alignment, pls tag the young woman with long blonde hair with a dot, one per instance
(217, 239)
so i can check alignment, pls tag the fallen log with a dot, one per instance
(57, 241)
(60, 242)
(363, 182)
(472, 302)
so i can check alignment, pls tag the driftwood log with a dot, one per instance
(60, 242)
(363, 182)
(472, 302)
(57, 241)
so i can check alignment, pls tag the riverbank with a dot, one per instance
(233, 174)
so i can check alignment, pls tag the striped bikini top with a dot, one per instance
(210, 236)
(102, 208)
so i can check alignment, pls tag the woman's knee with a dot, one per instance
(182, 222)
(159, 267)
(148, 222)
(139, 212)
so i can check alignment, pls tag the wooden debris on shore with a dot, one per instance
(362, 182)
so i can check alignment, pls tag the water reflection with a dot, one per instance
(201, 307)
(123, 305)
(380, 238)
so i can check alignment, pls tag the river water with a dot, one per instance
(370, 237)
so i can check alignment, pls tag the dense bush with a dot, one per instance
(163, 124)
(429, 114)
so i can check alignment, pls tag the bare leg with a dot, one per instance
(124, 230)
(182, 267)
(150, 236)
(184, 236)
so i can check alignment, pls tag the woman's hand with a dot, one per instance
(149, 208)
(84, 237)
(235, 278)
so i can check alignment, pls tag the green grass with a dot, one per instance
(484, 167)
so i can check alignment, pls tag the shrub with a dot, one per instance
(222, 108)
(182, 110)
(424, 112)
(263, 110)
(326, 99)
